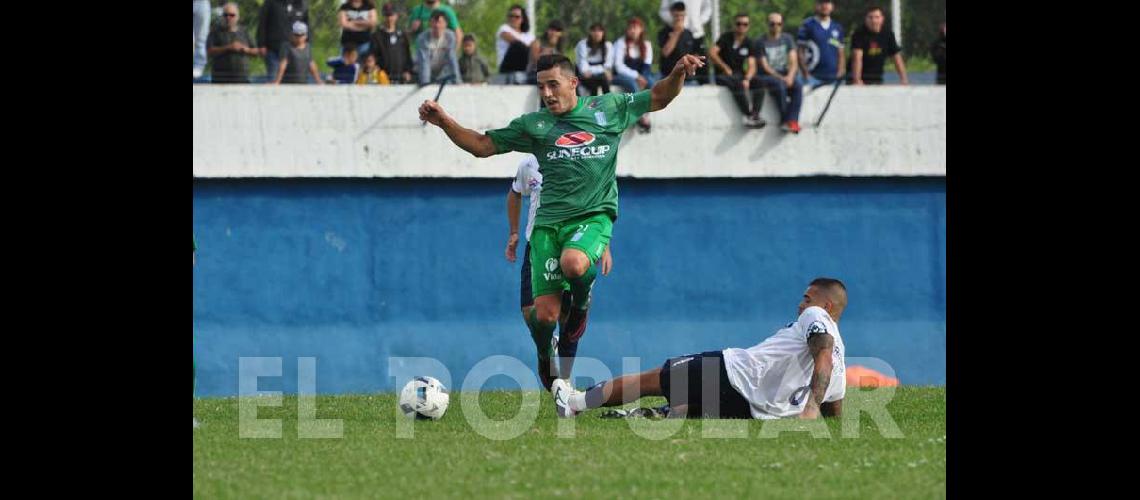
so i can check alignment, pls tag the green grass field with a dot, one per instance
(602, 458)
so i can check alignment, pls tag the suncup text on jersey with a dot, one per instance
(578, 152)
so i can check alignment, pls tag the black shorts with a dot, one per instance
(526, 299)
(697, 376)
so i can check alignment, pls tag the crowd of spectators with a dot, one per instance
(430, 45)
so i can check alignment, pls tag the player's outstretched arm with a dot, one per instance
(514, 206)
(820, 346)
(471, 141)
(669, 87)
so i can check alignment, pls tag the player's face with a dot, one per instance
(557, 90)
(874, 21)
(813, 297)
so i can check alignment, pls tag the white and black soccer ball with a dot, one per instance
(424, 398)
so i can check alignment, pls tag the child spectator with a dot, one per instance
(370, 72)
(471, 65)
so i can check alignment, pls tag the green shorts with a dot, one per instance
(589, 233)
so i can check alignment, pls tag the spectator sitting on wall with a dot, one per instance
(370, 72)
(633, 63)
(230, 48)
(357, 19)
(471, 65)
(779, 71)
(435, 51)
(420, 18)
(392, 48)
(821, 46)
(201, 33)
(345, 68)
(871, 45)
(676, 40)
(938, 53)
(595, 57)
(512, 47)
(551, 42)
(736, 69)
(274, 24)
(698, 13)
(296, 59)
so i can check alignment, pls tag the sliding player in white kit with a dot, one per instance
(799, 371)
(528, 182)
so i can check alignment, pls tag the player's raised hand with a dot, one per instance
(432, 112)
(689, 64)
(512, 244)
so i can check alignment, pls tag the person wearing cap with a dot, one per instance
(296, 59)
(551, 42)
(435, 52)
(392, 47)
(420, 17)
(230, 48)
(633, 63)
(821, 46)
(274, 29)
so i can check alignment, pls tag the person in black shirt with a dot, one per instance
(938, 53)
(274, 29)
(676, 41)
(357, 18)
(230, 48)
(871, 45)
(392, 48)
(729, 55)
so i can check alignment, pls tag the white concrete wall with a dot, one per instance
(350, 131)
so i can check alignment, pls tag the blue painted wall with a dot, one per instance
(354, 271)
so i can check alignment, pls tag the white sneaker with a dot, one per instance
(195, 423)
(561, 390)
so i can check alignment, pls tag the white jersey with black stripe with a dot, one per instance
(528, 181)
(774, 375)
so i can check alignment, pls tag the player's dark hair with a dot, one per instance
(551, 60)
(677, 6)
(834, 289)
(828, 283)
(525, 20)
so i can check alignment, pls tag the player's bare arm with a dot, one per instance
(514, 206)
(820, 346)
(469, 140)
(669, 87)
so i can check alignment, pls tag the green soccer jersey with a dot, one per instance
(577, 152)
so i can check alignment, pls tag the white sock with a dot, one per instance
(577, 401)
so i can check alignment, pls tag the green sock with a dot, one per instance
(580, 287)
(542, 334)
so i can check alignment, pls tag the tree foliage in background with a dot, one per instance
(482, 18)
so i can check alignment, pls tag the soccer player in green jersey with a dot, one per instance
(576, 142)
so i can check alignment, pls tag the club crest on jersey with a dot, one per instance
(572, 139)
(816, 327)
